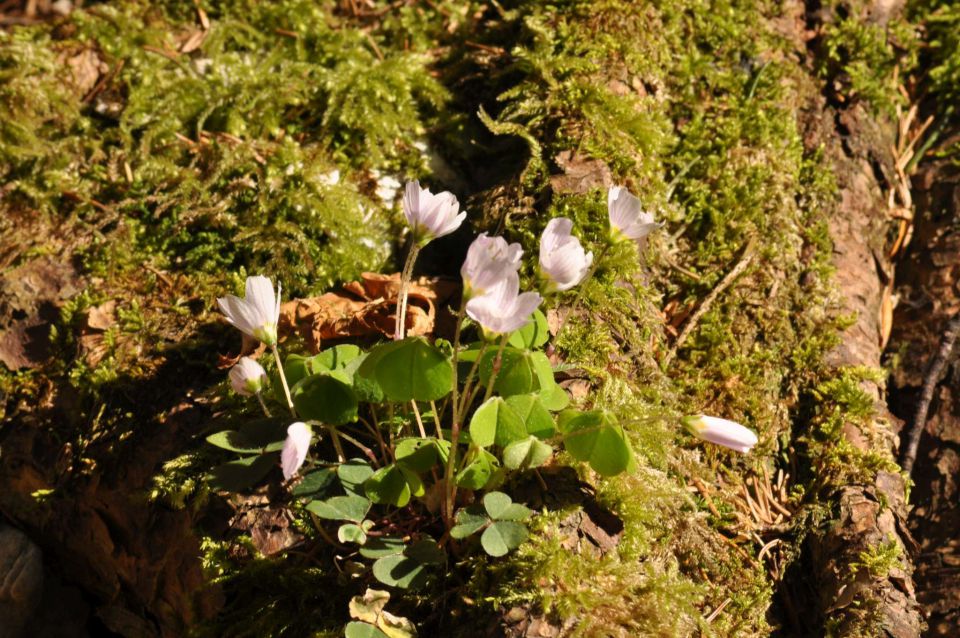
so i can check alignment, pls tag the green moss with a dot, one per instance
(863, 57)
(880, 559)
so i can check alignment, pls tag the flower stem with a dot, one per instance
(401, 323)
(449, 488)
(436, 420)
(416, 413)
(497, 362)
(363, 448)
(335, 437)
(469, 392)
(263, 405)
(283, 380)
(456, 357)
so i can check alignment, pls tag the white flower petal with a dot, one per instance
(488, 261)
(430, 215)
(295, 449)
(723, 432)
(258, 313)
(411, 203)
(502, 309)
(562, 259)
(627, 216)
(237, 313)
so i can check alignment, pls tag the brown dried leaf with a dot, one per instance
(269, 529)
(192, 40)
(365, 308)
(580, 174)
(85, 70)
(16, 351)
(102, 317)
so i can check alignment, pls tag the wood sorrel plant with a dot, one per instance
(438, 426)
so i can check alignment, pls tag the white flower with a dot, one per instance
(502, 309)
(489, 260)
(562, 258)
(430, 216)
(247, 377)
(295, 448)
(627, 218)
(721, 432)
(258, 313)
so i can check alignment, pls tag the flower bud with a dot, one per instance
(247, 377)
(721, 432)
(295, 449)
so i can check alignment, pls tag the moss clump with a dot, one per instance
(863, 59)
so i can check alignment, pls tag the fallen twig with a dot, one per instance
(930, 380)
(725, 283)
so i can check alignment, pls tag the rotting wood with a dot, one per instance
(861, 147)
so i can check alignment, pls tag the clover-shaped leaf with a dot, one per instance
(316, 483)
(352, 533)
(373, 621)
(597, 438)
(477, 473)
(500, 507)
(529, 453)
(469, 520)
(405, 567)
(394, 485)
(333, 358)
(536, 418)
(410, 369)
(502, 537)
(341, 508)
(328, 398)
(499, 518)
(533, 335)
(417, 454)
(238, 475)
(517, 374)
(353, 474)
(495, 422)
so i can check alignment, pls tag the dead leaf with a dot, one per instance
(580, 173)
(269, 529)
(94, 347)
(30, 296)
(192, 40)
(554, 321)
(102, 317)
(369, 608)
(19, 347)
(85, 69)
(365, 308)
